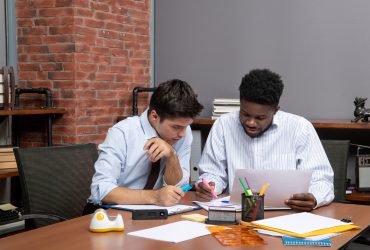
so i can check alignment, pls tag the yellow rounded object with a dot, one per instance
(100, 216)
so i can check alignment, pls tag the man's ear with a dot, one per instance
(153, 114)
(277, 109)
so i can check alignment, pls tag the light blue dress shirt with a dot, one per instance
(123, 162)
(291, 142)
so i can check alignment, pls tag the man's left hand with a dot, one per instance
(302, 202)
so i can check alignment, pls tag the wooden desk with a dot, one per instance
(28, 112)
(74, 234)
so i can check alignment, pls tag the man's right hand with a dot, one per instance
(204, 192)
(168, 196)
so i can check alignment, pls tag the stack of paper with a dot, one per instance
(220, 202)
(224, 105)
(303, 225)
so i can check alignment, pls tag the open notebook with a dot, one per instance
(176, 209)
(282, 184)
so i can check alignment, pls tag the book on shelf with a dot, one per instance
(225, 109)
(7, 158)
(226, 101)
(223, 106)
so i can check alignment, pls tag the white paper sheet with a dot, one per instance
(174, 232)
(282, 184)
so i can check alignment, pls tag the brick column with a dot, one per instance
(91, 54)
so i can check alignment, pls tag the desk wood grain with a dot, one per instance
(74, 234)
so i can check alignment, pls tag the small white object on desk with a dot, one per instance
(100, 222)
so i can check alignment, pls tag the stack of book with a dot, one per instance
(224, 105)
(7, 158)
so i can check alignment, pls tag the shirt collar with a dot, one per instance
(276, 121)
(149, 131)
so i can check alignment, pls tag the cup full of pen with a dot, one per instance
(252, 202)
(252, 207)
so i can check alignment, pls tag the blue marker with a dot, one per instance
(186, 188)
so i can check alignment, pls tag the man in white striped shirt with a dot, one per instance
(260, 136)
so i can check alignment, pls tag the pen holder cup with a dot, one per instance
(252, 207)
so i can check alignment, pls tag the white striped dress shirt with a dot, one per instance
(291, 142)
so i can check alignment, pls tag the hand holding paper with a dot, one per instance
(302, 202)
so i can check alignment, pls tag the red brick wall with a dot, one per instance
(91, 54)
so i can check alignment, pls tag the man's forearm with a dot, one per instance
(173, 172)
(121, 195)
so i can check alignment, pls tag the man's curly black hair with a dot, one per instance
(175, 99)
(261, 86)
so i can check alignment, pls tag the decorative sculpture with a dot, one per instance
(360, 111)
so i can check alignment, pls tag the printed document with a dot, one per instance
(282, 184)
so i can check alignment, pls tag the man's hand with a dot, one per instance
(168, 196)
(204, 192)
(302, 202)
(158, 148)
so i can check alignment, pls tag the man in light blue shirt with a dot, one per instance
(260, 136)
(160, 134)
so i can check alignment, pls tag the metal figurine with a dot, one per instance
(360, 111)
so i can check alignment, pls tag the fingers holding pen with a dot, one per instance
(205, 191)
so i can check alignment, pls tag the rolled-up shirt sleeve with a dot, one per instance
(312, 156)
(108, 167)
(213, 163)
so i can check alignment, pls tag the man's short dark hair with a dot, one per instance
(261, 86)
(175, 98)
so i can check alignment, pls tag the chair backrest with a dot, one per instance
(337, 152)
(55, 180)
(135, 93)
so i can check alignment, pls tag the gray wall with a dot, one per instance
(2, 34)
(320, 48)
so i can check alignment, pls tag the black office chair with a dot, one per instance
(337, 152)
(55, 181)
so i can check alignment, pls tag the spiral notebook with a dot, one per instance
(293, 241)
